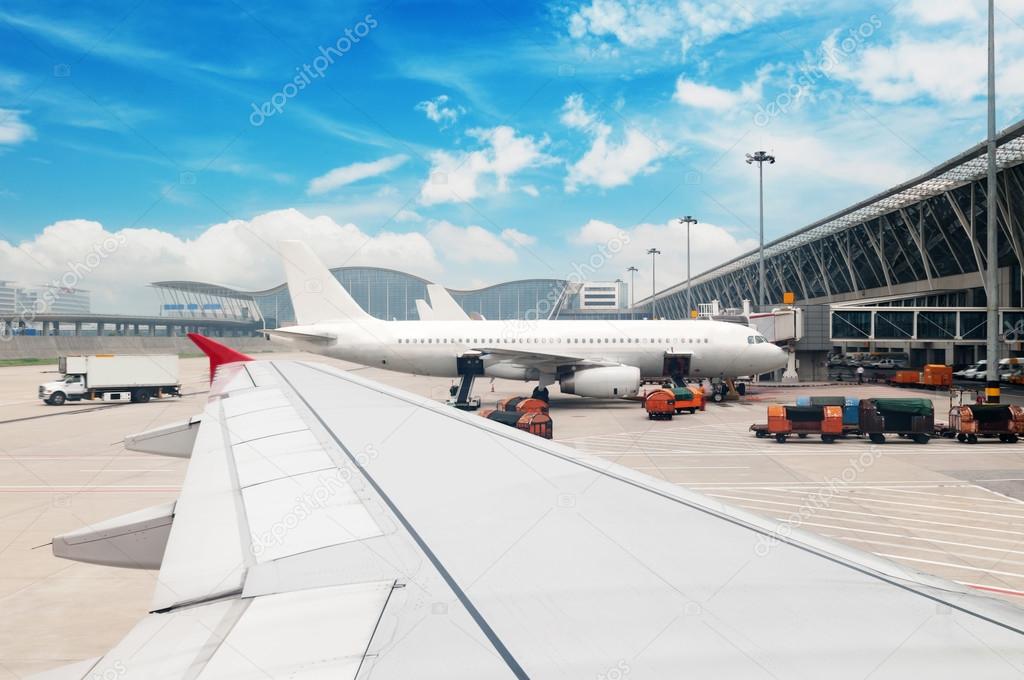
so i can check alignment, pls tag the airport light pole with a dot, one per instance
(760, 157)
(632, 287)
(653, 252)
(688, 220)
(992, 228)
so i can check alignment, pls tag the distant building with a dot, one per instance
(8, 299)
(603, 296)
(17, 299)
(391, 294)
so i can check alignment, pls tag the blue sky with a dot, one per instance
(468, 142)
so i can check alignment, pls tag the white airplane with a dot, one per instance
(332, 527)
(589, 358)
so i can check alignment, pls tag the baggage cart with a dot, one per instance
(802, 421)
(907, 417)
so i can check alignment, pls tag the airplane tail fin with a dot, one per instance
(218, 353)
(444, 305)
(316, 294)
(424, 311)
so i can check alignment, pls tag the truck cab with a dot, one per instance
(69, 388)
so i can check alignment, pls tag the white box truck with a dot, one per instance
(101, 376)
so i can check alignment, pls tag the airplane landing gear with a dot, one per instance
(541, 393)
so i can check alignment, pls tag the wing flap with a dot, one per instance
(311, 634)
(305, 512)
(207, 522)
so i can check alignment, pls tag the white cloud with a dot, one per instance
(647, 23)
(117, 264)
(438, 110)
(929, 12)
(608, 163)
(517, 237)
(405, 215)
(469, 244)
(631, 23)
(621, 247)
(463, 176)
(347, 174)
(13, 130)
(948, 70)
(703, 96)
(530, 190)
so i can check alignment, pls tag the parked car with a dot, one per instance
(971, 371)
(888, 363)
(978, 370)
(975, 371)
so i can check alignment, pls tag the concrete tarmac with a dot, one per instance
(946, 508)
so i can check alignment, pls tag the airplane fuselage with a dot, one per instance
(710, 348)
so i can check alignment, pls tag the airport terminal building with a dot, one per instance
(901, 271)
(391, 294)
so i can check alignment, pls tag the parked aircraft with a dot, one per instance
(602, 359)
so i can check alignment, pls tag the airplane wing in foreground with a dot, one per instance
(332, 527)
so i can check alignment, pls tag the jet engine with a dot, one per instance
(603, 382)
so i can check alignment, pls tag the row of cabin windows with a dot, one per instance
(571, 341)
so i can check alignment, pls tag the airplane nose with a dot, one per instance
(778, 357)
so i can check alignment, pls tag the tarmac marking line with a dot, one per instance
(868, 514)
(948, 564)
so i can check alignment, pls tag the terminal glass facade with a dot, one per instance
(383, 293)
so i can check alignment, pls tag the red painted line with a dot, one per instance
(1002, 591)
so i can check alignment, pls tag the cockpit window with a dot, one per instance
(750, 340)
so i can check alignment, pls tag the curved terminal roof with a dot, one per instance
(964, 168)
(219, 290)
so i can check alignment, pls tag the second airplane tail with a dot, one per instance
(316, 295)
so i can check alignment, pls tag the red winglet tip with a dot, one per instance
(218, 353)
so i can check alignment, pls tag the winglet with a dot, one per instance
(218, 353)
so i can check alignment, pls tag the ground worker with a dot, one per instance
(860, 374)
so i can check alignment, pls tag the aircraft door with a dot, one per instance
(676, 366)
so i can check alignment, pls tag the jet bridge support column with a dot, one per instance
(789, 375)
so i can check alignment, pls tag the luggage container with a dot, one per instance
(905, 378)
(523, 405)
(911, 418)
(689, 398)
(660, 404)
(970, 422)
(539, 424)
(933, 377)
(826, 420)
(937, 376)
(851, 409)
